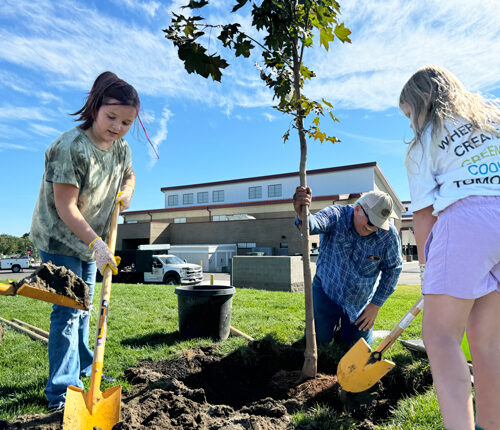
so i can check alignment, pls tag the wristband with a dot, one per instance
(91, 243)
(127, 185)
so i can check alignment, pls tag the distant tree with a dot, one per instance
(12, 245)
(288, 27)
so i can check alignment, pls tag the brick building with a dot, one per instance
(252, 213)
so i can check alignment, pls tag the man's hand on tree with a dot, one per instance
(302, 197)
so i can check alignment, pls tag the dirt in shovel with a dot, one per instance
(59, 280)
(256, 387)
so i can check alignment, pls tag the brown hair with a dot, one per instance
(106, 86)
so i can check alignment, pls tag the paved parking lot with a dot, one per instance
(8, 274)
(409, 275)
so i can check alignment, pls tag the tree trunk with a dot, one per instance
(310, 367)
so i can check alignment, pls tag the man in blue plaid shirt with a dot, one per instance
(357, 243)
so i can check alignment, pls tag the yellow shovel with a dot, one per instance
(39, 294)
(94, 409)
(360, 368)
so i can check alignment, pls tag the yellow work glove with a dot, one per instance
(104, 257)
(125, 196)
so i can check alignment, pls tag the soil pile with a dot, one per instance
(58, 280)
(257, 387)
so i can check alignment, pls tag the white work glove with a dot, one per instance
(422, 270)
(104, 257)
(125, 196)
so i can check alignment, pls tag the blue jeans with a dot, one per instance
(69, 353)
(328, 316)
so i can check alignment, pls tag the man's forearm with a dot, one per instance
(386, 286)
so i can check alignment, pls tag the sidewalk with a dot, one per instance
(409, 276)
(219, 279)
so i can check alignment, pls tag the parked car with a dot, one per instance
(15, 264)
(138, 266)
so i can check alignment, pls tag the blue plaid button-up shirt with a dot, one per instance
(349, 264)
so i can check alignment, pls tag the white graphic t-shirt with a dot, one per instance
(462, 162)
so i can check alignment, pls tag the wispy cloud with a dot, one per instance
(391, 39)
(148, 7)
(45, 130)
(4, 145)
(23, 113)
(385, 146)
(269, 117)
(161, 135)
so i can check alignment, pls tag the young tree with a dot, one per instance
(288, 27)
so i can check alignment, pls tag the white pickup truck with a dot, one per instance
(171, 270)
(15, 264)
(138, 266)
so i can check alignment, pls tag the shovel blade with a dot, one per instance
(103, 415)
(357, 371)
(48, 296)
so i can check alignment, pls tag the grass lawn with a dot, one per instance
(143, 324)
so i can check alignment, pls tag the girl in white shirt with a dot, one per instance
(453, 166)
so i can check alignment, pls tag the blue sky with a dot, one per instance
(51, 52)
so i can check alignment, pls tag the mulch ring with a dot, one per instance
(256, 387)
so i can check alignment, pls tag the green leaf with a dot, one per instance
(316, 120)
(240, 4)
(326, 36)
(243, 48)
(332, 139)
(326, 102)
(189, 29)
(196, 61)
(334, 118)
(193, 4)
(318, 134)
(306, 73)
(342, 33)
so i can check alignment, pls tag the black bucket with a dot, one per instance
(205, 311)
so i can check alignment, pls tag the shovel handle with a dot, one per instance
(100, 340)
(401, 326)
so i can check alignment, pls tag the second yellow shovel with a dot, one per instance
(360, 368)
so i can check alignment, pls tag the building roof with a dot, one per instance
(332, 197)
(280, 175)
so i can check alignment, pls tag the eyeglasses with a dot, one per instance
(366, 215)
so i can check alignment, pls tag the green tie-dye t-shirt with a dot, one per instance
(98, 174)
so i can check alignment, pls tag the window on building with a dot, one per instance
(218, 196)
(179, 220)
(274, 190)
(254, 192)
(203, 197)
(283, 244)
(219, 218)
(247, 245)
(188, 199)
(173, 200)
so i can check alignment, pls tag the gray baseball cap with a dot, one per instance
(379, 208)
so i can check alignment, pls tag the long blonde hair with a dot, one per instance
(437, 92)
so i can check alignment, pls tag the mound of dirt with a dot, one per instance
(59, 280)
(257, 387)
